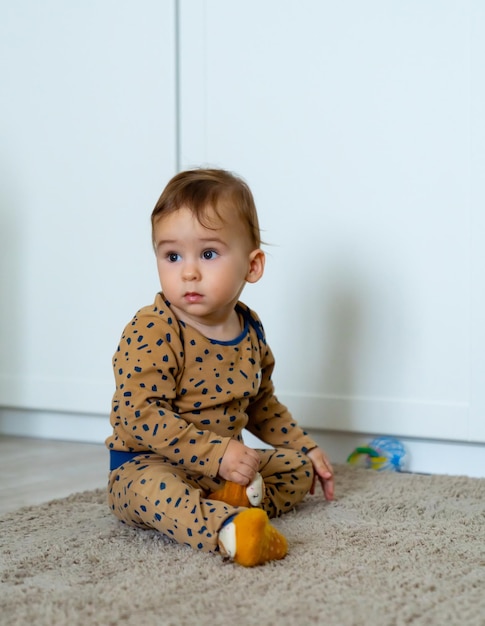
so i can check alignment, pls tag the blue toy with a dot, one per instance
(382, 453)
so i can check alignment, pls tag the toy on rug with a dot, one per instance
(382, 453)
(240, 495)
(250, 539)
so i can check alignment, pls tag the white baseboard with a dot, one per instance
(423, 455)
(82, 427)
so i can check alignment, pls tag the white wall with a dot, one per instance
(87, 119)
(359, 127)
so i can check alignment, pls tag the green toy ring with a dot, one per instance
(363, 451)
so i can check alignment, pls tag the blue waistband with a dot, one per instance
(117, 458)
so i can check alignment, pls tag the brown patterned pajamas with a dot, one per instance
(180, 399)
(148, 492)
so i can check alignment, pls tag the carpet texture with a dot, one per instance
(392, 549)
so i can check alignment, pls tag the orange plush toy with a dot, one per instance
(240, 495)
(248, 537)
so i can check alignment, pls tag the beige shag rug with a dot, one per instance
(392, 549)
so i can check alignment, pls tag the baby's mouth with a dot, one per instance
(193, 297)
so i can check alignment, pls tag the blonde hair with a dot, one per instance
(202, 189)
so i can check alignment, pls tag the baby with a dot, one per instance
(192, 371)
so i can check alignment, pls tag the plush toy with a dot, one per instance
(248, 537)
(240, 495)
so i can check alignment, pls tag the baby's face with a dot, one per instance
(202, 270)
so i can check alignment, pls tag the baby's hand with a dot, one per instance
(323, 472)
(239, 463)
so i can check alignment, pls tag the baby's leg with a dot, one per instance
(288, 476)
(148, 492)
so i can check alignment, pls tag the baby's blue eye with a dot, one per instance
(173, 257)
(208, 255)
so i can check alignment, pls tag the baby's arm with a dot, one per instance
(273, 423)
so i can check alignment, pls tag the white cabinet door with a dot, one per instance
(359, 127)
(87, 127)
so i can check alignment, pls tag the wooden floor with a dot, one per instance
(33, 471)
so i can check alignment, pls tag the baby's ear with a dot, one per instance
(256, 266)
